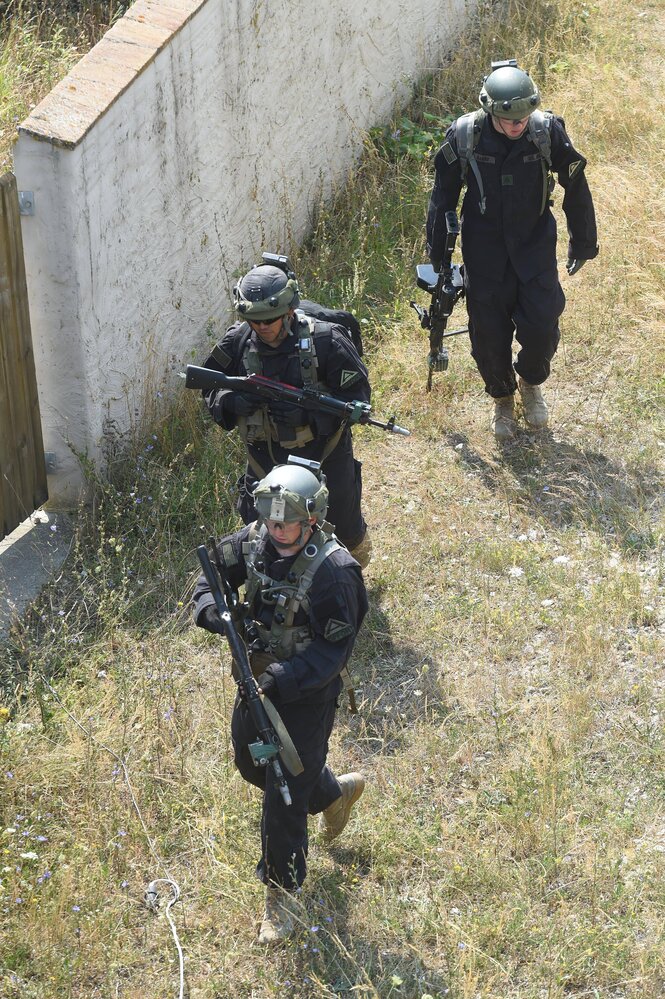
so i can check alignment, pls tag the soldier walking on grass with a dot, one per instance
(276, 339)
(506, 154)
(305, 600)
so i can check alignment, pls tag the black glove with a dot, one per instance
(268, 684)
(240, 404)
(210, 620)
(287, 414)
(574, 264)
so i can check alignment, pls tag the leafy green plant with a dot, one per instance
(407, 138)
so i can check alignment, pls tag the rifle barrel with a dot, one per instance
(390, 426)
(309, 398)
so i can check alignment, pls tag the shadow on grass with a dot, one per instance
(374, 639)
(559, 484)
(396, 689)
(333, 954)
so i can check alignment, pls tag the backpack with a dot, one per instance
(311, 311)
(538, 130)
(339, 317)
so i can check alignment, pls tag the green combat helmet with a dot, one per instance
(266, 293)
(509, 92)
(292, 492)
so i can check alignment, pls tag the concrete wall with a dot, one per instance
(197, 133)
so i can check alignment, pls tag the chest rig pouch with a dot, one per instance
(260, 426)
(286, 596)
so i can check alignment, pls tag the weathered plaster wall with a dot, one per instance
(197, 133)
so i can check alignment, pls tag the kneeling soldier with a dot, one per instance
(305, 601)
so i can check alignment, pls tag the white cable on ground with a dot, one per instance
(151, 895)
(152, 901)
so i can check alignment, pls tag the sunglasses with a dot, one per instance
(266, 322)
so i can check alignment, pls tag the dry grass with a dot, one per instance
(510, 843)
(39, 44)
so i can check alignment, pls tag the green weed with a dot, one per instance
(406, 138)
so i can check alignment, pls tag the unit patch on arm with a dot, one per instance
(448, 152)
(347, 377)
(335, 631)
(229, 557)
(221, 356)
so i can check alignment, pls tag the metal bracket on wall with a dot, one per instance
(51, 461)
(26, 203)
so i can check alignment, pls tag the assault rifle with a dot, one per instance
(270, 745)
(307, 397)
(446, 288)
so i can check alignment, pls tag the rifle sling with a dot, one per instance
(288, 752)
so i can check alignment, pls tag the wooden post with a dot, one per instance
(22, 468)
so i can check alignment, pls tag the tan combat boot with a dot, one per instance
(535, 407)
(335, 817)
(363, 551)
(277, 923)
(503, 418)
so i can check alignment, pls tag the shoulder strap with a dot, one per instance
(539, 131)
(249, 355)
(250, 548)
(309, 364)
(467, 135)
(310, 558)
(540, 123)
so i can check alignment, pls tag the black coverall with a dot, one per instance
(307, 688)
(509, 252)
(340, 373)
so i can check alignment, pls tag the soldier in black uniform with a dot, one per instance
(306, 600)
(275, 340)
(509, 234)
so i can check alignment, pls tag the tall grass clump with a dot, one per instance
(39, 44)
(130, 564)
(510, 841)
